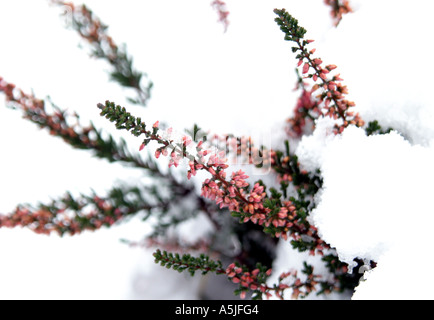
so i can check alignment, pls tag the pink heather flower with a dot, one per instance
(186, 140)
(156, 124)
(230, 267)
(142, 146)
(283, 213)
(157, 153)
(337, 77)
(305, 67)
(231, 190)
(299, 62)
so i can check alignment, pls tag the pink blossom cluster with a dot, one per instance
(256, 281)
(331, 101)
(60, 220)
(234, 193)
(248, 280)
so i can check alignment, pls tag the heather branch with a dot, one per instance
(73, 215)
(331, 101)
(67, 126)
(277, 217)
(253, 281)
(92, 30)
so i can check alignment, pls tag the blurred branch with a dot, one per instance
(94, 32)
(223, 13)
(73, 215)
(338, 9)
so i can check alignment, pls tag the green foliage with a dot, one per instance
(374, 127)
(186, 262)
(289, 25)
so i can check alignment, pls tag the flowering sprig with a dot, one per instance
(94, 32)
(73, 215)
(338, 9)
(249, 204)
(253, 282)
(66, 125)
(331, 101)
(256, 282)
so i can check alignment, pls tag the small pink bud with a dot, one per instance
(156, 124)
(306, 68)
(142, 146)
(157, 154)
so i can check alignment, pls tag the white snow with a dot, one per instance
(376, 199)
